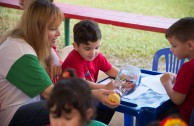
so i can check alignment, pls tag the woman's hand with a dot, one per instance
(55, 67)
(102, 96)
(55, 71)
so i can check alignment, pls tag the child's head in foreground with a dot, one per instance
(173, 120)
(87, 39)
(71, 102)
(181, 37)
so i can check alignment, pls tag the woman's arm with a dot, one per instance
(47, 92)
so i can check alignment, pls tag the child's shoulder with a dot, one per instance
(188, 64)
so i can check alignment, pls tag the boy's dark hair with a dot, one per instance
(86, 30)
(71, 93)
(182, 30)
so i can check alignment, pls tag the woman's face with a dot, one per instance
(24, 3)
(54, 33)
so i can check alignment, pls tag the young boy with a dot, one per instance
(87, 60)
(180, 87)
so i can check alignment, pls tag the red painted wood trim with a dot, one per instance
(10, 4)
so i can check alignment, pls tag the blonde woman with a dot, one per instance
(23, 78)
(54, 62)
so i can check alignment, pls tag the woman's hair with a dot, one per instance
(71, 93)
(35, 23)
(25, 3)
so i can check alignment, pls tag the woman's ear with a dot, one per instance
(90, 113)
(75, 46)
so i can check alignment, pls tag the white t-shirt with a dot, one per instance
(22, 78)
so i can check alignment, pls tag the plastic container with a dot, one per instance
(127, 80)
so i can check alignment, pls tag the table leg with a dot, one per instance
(128, 120)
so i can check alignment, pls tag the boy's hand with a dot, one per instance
(173, 75)
(167, 79)
(109, 86)
(102, 96)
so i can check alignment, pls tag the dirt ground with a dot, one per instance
(117, 120)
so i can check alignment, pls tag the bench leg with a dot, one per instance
(67, 31)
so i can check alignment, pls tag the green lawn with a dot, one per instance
(121, 45)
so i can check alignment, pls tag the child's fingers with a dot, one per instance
(110, 104)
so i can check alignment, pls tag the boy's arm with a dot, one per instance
(110, 86)
(168, 82)
(93, 85)
(176, 97)
(112, 72)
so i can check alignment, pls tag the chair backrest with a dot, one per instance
(66, 50)
(191, 122)
(96, 123)
(172, 63)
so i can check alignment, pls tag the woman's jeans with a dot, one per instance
(33, 114)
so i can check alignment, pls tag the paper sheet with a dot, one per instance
(154, 83)
(138, 91)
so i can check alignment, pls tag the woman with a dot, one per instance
(23, 78)
(54, 62)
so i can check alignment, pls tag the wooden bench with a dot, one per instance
(116, 18)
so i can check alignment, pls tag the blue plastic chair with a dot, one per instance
(172, 63)
(96, 123)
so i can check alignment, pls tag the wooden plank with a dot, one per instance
(10, 4)
(122, 19)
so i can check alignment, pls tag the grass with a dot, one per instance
(121, 45)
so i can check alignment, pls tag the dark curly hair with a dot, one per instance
(85, 31)
(71, 93)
